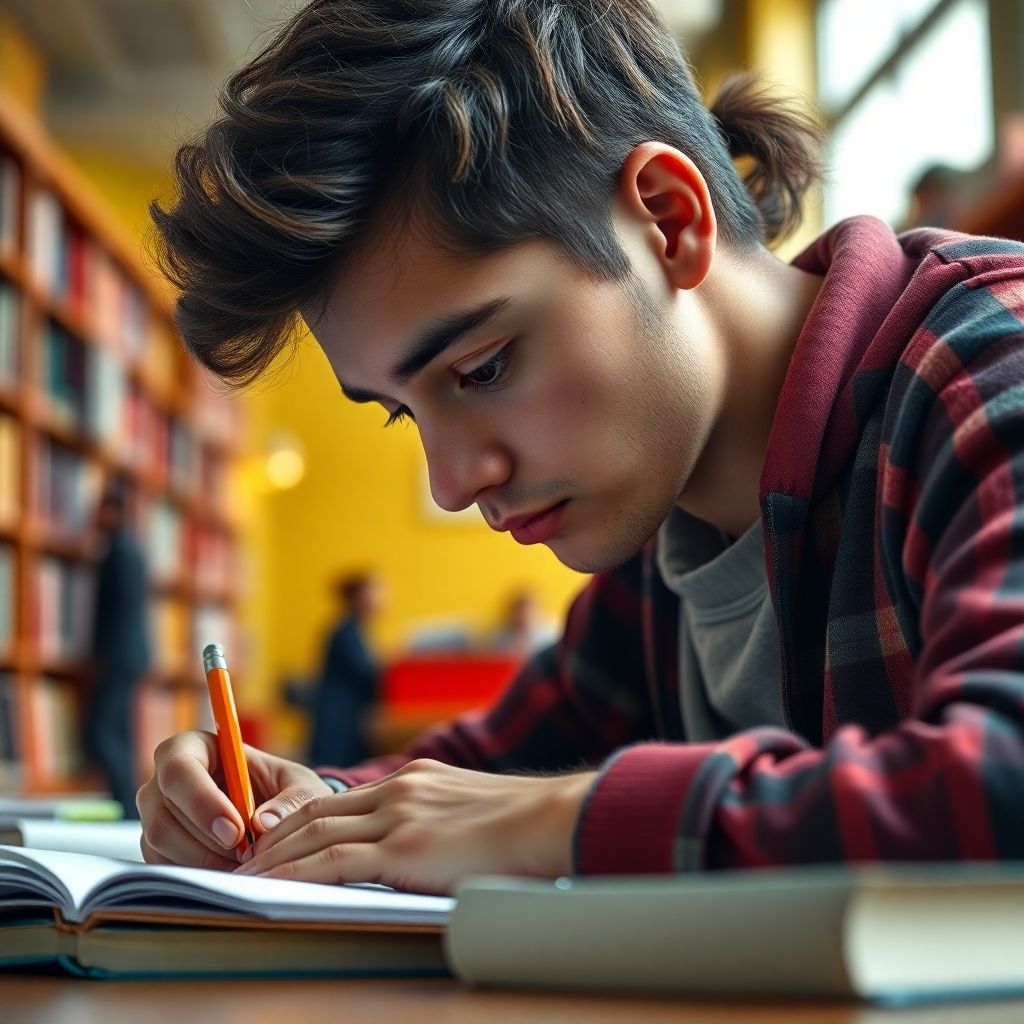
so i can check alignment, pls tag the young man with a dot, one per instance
(797, 486)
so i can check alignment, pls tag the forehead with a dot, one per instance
(396, 283)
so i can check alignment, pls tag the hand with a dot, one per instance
(426, 827)
(187, 819)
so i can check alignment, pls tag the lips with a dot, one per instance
(538, 527)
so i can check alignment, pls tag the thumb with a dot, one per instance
(289, 800)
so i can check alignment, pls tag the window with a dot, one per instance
(905, 84)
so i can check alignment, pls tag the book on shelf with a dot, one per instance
(8, 600)
(890, 934)
(163, 541)
(171, 626)
(61, 609)
(110, 918)
(105, 396)
(10, 327)
(62, 370)
(66, 488)
(10, 753)
(10, 204)
(47, 242)
(55, 722)
(10, 470)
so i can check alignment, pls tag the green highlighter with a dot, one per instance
(69, 808)
(89, 810)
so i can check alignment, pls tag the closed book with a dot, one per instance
(891, 935)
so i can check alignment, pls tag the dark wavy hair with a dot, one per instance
(502, 120)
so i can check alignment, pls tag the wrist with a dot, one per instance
(559, 813)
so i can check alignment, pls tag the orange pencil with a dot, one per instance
(229, 738)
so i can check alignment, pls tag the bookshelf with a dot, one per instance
(93, 381)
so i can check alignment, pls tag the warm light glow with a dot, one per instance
(285, 467)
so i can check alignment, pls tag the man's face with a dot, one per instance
(578, 403)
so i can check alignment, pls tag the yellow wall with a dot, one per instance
(779, 42)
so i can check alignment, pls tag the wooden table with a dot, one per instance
(52, 999)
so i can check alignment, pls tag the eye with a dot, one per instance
(488, 374)
(402, 413)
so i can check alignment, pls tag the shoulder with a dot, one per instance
(968, 350)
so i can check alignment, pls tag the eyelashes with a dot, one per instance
(403, 412)
(492, 373)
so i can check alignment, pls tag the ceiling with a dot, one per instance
(135, 76)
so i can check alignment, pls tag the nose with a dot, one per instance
(461, 466)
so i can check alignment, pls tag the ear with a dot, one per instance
(665, 190)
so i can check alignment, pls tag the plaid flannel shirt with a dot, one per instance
(891, 498)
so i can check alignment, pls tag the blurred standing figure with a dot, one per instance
(347, 686)
(524, 629)
(120, 648)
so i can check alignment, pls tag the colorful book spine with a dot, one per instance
(8, 603)
(10, 331)
(10, 471)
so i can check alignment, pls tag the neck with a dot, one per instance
(758, 305)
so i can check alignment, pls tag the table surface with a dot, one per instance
(52, 999)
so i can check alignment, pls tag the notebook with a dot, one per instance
(892, 935)
(103, 917)
(118, 839)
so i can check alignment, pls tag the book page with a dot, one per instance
(117, 839)
(52, 876)
(153, 887)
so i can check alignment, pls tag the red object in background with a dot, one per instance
(253, 730)
(451, 682)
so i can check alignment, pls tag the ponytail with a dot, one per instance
(782, 145)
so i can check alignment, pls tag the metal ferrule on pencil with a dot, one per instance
(213, 657)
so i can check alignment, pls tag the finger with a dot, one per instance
(229, 857)
(184, 774)
(344, 862)
(352, 862)
(352, 801)
(283, 805)
(167, 841)
(319, 834)
(149, 855)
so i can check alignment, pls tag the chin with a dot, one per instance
(596, 558)
(595, 547)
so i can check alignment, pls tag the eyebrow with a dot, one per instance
(440, 335)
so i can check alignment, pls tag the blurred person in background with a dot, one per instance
(524, 628)
(346, 688)
(938, 196)
(120, 649)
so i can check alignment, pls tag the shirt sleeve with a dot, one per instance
(568, 708)
(945, 783)
(336, 784)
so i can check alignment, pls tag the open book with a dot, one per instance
(893, 934)
(104, 917)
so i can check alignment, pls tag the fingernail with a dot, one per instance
(225, 833)
(268, 819)
(247, 854)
